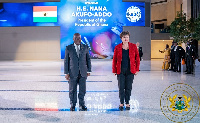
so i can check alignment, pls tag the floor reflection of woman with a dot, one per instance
(166, 61)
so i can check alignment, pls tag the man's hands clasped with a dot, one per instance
(67, 77)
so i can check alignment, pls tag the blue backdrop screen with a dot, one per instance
(98, 21)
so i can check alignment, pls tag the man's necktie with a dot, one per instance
(77, 50)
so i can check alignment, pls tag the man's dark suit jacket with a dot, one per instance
(179, 53)
(172, 54)
(140, 52)
(191, 52)
(73, 63)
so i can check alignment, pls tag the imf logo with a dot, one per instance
(133, 14)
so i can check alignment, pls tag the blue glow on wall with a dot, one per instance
(98, 21)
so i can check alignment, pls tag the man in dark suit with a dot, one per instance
(139, 50)
(191, 55)
(77, 66)
(172, 56)
(179, 53)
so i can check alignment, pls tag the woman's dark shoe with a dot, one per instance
(72, 108)
(121, 108)
(128, 107)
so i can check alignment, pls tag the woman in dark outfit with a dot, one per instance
(126, 62)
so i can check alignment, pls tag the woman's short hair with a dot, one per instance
(124, 33)
(76, 34)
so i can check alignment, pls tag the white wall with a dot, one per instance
(29, 43)
(157, 45)
(166, 10)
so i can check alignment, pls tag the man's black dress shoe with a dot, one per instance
(188, 73)
(82, 108)
(72, 108)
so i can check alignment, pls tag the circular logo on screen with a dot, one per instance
(133, 14)
(179, 102)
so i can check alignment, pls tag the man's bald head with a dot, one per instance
(137, 44)
(77, 38)
(77, 34)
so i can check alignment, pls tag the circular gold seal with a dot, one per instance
(179, 102)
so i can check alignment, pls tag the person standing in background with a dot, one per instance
(179, 53)
(191, 55)
(139, 50)
(166, 58)
(172, 57)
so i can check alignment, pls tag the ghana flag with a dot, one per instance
(44, 13)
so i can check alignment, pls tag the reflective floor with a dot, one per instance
(37, 92)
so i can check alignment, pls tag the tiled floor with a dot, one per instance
(37, 92)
